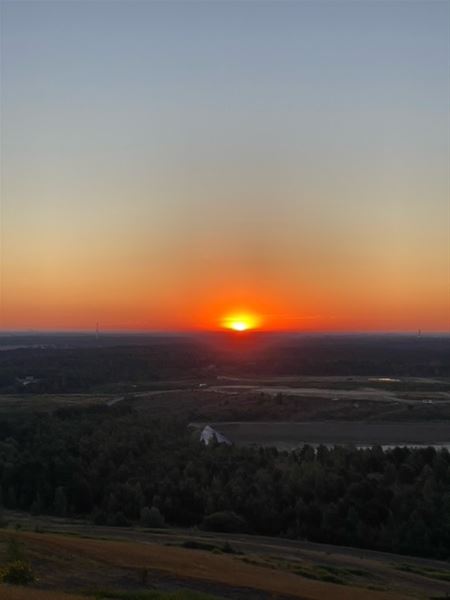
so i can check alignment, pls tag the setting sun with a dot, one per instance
(239, 325)
(241, 322)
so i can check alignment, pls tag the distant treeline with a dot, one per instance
(117, 467)
(95, 364)
(82, 369)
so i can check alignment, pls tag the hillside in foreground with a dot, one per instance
(68, 558)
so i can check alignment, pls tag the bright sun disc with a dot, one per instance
(239, 326)
(240, 322)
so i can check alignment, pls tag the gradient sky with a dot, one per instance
(165, 164)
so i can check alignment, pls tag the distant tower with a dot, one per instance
(97, 331)
(419, 333)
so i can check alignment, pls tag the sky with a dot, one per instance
(168, 164)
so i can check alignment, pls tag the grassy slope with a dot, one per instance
(194, 565)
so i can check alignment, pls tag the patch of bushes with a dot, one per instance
(425, 571)
(225, 548)
(225, 522)
(118, 519)
(195, 545)
(152, 518)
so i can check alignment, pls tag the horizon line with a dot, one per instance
(416, 332)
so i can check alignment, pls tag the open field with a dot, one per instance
(361, 390)
(207, 401)
(19, 405)
(300, 400)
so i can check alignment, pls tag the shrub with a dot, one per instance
(118, 520)
(151, 517)
(18, 572)
(100, 518)
(14, 551)
(226, 521)
(227, 548)
(3, 521)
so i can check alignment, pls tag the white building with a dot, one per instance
(208, 434)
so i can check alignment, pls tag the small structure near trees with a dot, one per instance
(209, 435)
